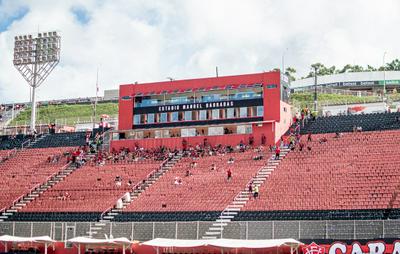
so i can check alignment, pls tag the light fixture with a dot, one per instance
(35, 57)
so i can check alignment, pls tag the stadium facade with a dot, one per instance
(223, 110)
(368, 81)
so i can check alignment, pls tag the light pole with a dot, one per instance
(315, 88)
(384, 78)
(35, 57)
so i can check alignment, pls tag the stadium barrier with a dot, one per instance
(143, 231)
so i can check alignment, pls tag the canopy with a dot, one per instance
(18, 239)
(87, 240)
(223, 243)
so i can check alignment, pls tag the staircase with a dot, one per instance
(98, 229)
(32, 143)
(35, 192)
(229, 213)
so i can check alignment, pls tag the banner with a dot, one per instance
(338, 247)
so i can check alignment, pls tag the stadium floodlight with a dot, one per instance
(35, 57)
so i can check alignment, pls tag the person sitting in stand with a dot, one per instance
(231, 160)
(178, 181)
(213, 167)
(255, 191)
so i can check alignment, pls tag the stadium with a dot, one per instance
(245, 163)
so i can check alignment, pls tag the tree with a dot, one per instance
(370, 68)
(290, 73)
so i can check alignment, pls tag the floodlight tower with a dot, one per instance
(35, 57)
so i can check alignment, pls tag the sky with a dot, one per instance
(144, 40)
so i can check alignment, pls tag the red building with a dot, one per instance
(223, 110)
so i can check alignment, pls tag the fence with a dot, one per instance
(142, 231)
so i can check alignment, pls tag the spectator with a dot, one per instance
(338, 135)
(323, 140)
(277, 153)
(213, 167)
(231, 160)
(309, 139)
(255, 192)
(250, 187)
(178, 181)
(263, 139)
(229, 174)
(301, 146)
(251, 140)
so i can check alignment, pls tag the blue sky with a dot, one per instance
(6, 19)
(149, 40)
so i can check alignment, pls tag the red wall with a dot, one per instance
(271, 96)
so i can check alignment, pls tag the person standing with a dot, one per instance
(229, 174)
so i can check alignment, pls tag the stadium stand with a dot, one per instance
(354, 176)
(203, 194)
(87, 192)
(368, 122)
(11, 142)
(60, 140)
(26, 170)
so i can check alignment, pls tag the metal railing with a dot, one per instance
(142, 231)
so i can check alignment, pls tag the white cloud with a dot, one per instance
(150, 40)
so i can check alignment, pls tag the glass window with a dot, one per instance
(174, 117)
(136, 119)
(260, 110)
(157, 134)
(215, 114)
(150, 118)
(244, 129)
(139, 134)
(230, 113)
(212, 131)
(191, 132)
(163, 117)
(188, 115)
(243, 112)
(202, 115)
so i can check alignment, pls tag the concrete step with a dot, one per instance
(104, 221)
(237, 202)
(240, 198)
(213, 233)
(112, 214)
(3, 217)
(220, 224)
(209, 237)
(229, 213)
(223, 220)
(226, 217)
(96, 228)
(99, 224)
(7, 214)
(216, 228)
(233, 209)
(20, 204)
(15, 207)
(91, 233)
(108, 217)
(33, 195)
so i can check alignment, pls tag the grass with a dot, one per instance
(67, 113)
(307, 99)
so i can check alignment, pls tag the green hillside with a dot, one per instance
(67, 113)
